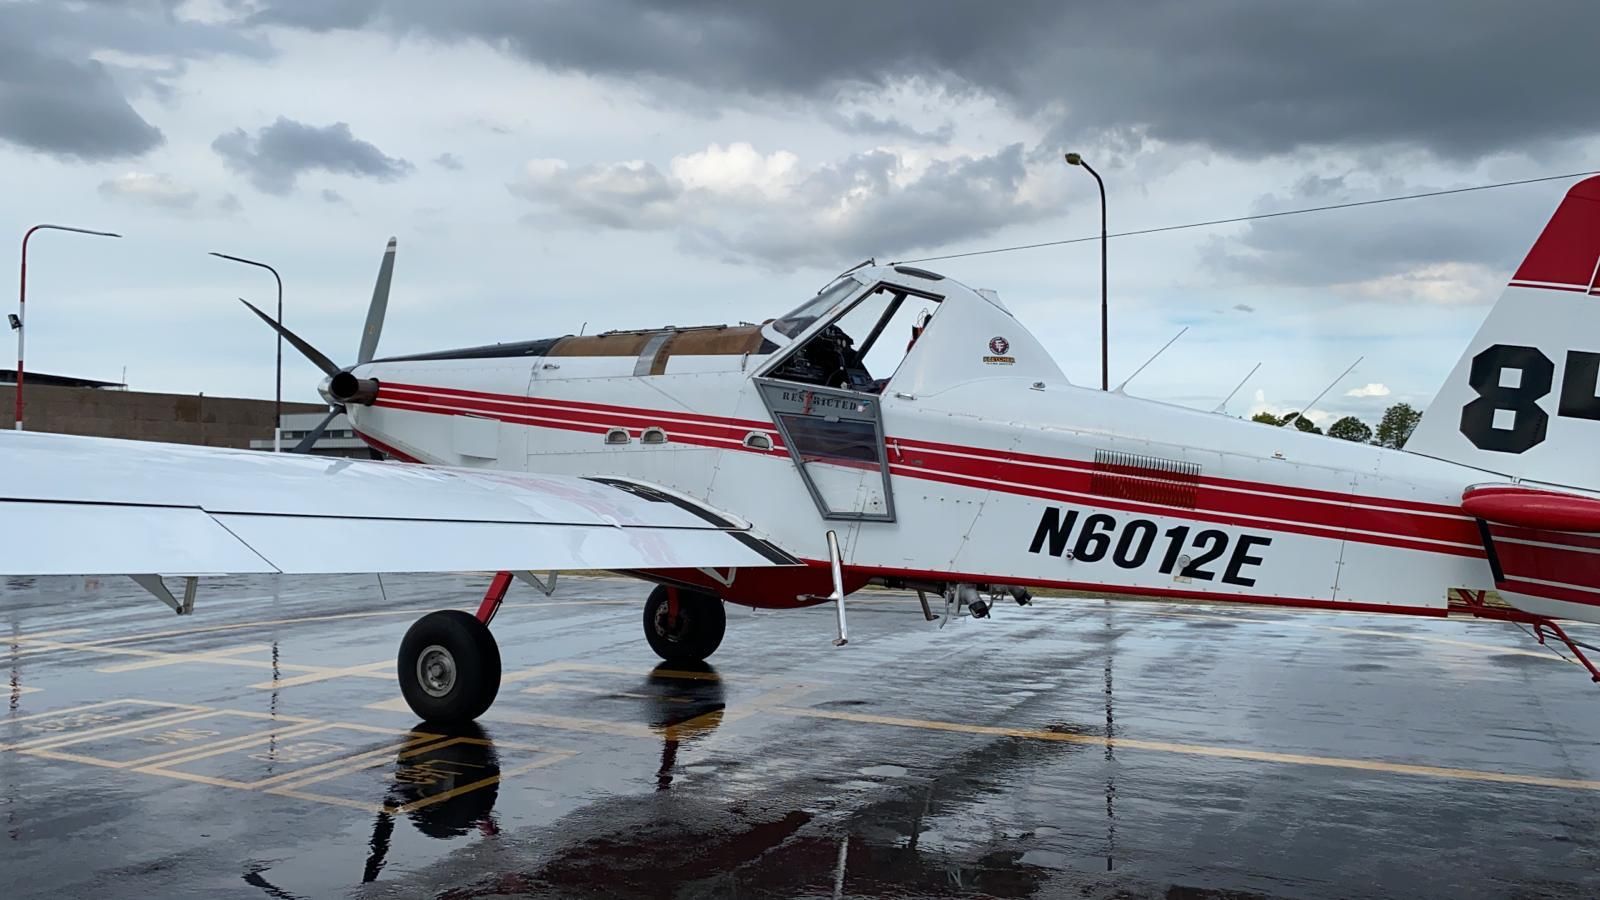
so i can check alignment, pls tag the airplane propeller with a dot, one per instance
(343, 387)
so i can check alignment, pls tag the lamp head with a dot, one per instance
(1074, 159)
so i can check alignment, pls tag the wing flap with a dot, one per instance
(94, 539)
(331, 545)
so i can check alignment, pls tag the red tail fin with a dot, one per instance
(1567, 255)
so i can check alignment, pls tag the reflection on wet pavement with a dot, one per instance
(1076, 748)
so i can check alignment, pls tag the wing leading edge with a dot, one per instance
(96, 506)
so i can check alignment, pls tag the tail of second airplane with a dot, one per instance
(1524, 400)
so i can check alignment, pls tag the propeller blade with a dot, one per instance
(306, 350)
(315, 434)
(379, 305)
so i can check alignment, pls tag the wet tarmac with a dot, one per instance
(1073, 749)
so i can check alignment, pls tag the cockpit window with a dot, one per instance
(862, 347)
(801, 319)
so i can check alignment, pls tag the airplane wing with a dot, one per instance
(96, 506)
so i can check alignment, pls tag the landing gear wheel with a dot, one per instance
(695, 633)
(449, 667)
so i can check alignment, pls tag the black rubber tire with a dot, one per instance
(473, 652)
(701, 622)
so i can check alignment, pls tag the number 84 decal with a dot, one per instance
(1510, 380)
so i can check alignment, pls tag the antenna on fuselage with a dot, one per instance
(1150, 360)
(1331, 385)
(1223, 406)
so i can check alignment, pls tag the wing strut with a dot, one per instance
(158, 589)
(835, 566)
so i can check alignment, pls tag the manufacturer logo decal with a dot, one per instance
(999, 345)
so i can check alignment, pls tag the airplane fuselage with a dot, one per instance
(996, 474)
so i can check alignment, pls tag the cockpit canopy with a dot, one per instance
(915, 327)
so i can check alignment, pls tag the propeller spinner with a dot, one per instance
(343, 386)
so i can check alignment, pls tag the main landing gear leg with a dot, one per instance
(449, 664)
(683, 625)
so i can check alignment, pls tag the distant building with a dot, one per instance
(9, 376)
(67, 405)
(339, 440)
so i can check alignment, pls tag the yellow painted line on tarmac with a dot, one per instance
(164, 766)
(259, 623)
(383, 668)
(1491, 648)
(36, 635)
(166, 657)
(92, 723)
(327, 617)
(1364, 765)
(541, 720)
(40, 746)
(343, 765)
(1305, 619)
(162, 732)
(297, 788)
(551, 757)
(176, 659)
(560, 666)
(557, 688)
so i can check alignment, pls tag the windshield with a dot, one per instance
(801, 319)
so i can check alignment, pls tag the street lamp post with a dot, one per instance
(1074, 159)
(277, 397)
(22, 302)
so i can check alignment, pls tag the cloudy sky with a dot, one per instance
(626, 163)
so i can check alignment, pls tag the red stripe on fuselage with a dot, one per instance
(526, 412)
(569, 404)
(1565, 538)
(1574, 566)
(1206, 481)
(1331, 515)
(1551, 592)
(1411, 525)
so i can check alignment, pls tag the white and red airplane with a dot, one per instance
(897, 428)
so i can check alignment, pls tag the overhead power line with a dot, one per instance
(1270, 215)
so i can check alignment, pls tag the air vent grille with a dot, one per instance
(1146, 479)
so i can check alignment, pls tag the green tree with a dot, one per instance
(1266, 418)
(1351, 428)
(1302, 423)
(1398, 422)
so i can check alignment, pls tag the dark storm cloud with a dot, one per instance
(1461, 78)
(280, 152)
(64, 108)
(56, 98)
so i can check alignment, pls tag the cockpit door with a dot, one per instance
(836, 440)
(825, 389)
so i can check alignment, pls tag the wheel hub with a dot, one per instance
(436, 670)
(667, 628)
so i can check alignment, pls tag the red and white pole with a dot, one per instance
(22, 303)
